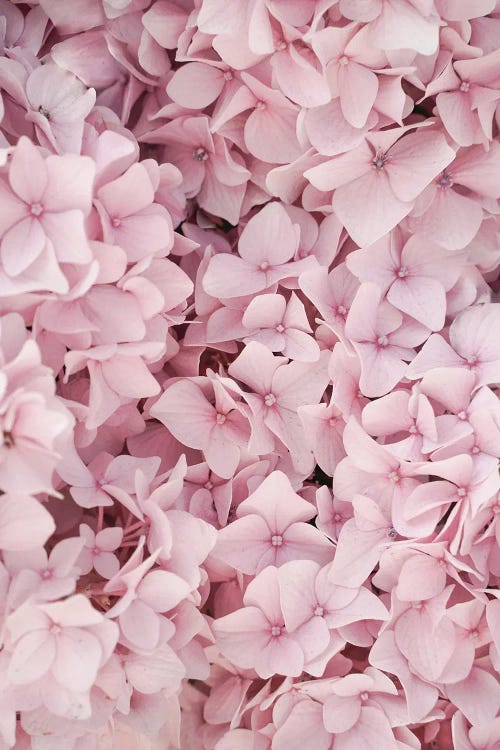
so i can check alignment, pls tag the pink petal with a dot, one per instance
(341, 713)
(280, 145)
(297, 594)
(24, 523)
(264, 311)
(70, 183)
(189, 416)
(415, 160)
(436, 352)
(242, 635)
(458, 117)
(230, 276)
(298, 79)
(368, 208)
(150, 674)
(372, 732)
(28, 172)
(276, 502)
(32, 658)
(67, 233)
(478, 697)
(140, 625)
(421, 577)
(162, 590)
(78, 659)
(282, 655)
(426, 645)
(452, 220)
(303, 729)
(245, 544)
(22, 245)
(381, 369)
(358, 90)
(421, 297)
(130, 377)
(269, 237)
(128, 194)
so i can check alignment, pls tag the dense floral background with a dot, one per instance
(249, 362)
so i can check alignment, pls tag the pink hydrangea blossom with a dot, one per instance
(249, 372)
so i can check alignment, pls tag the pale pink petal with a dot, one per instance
(265, 311)
(421, 577)
(303, 729)
(269, 237)
(280, 146)
(242, 635)
(32, 658)
(358, 88)
(22, 245)
(415, 160)
(140, 625)
(162, 590)
(423, 298)
(24, 523)
(368, 208)
(78, 658)
(230, 276)
(245, 544)
(186, 412)
(372, 731)
(340, 713)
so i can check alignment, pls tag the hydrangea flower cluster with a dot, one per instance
(249, 363)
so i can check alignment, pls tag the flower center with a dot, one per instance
(280, 328)
(46, 574)
(269, 399)
(200, 154)
(264, 265)
(96, 551)
(44, 112)
(260, 105)
(394, 476)
(275, 631)
(221, 418)
(462, 415)
(344, 60)
(318, 611)
(228, 76)
(392, 532)
(116, 223)
(445, 180)
(403, 271)
(364, 696)
(8, 440)
(461, 492)
(209, 485)
(36, 209)
(465, 86)
(341, 310)
(382, 341)
(379, 160)
(277, 540)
